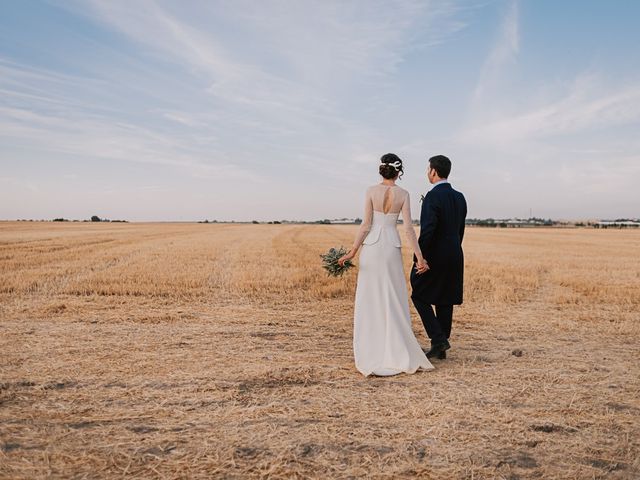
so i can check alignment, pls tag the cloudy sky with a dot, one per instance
(186, 110)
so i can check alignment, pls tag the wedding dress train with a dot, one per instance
(383, 340)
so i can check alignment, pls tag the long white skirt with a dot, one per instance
(383, 341)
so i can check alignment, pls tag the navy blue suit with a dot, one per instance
(442, 222)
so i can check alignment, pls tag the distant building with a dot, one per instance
(510, 222)
(617, 224)
(343, 221)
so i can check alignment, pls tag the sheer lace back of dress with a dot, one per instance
(387, 200)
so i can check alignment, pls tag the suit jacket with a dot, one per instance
(442, 220)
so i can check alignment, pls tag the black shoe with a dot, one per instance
(439, 350)
(441, 356)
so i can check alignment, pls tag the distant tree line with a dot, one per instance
(510, 222)
(480, 222)
(94, 218)
(325, 221)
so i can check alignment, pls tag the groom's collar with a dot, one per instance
(440, 182)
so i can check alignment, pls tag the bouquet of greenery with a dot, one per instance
(330, 262)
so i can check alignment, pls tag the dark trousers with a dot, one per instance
(438, 325)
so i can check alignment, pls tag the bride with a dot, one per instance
(383, 341)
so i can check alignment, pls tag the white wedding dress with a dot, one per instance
(383, 340)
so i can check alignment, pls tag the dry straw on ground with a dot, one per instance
(224, 351)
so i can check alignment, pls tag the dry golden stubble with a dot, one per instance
(200, 351)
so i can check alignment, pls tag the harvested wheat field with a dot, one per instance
(224, 351)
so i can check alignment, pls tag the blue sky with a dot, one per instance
(186, 110)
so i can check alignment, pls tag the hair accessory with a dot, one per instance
(397, 164)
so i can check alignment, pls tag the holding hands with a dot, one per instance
(421, 266)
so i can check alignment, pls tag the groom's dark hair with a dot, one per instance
(441, 164)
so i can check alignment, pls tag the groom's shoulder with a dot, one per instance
(453, 190)
(458, 192)
(460, 195)
(448, 191)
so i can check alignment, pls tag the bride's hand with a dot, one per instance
(421, 266)
(350, 254)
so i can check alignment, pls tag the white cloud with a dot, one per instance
(587, 106)
(282, 80)
(502, 54)
(240, 92)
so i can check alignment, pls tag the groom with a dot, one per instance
(441, 230)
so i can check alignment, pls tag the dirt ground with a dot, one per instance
(224, 351)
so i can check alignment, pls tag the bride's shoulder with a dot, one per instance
(369, 191)
(402, 190)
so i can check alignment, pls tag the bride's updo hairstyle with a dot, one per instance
(391, 166)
